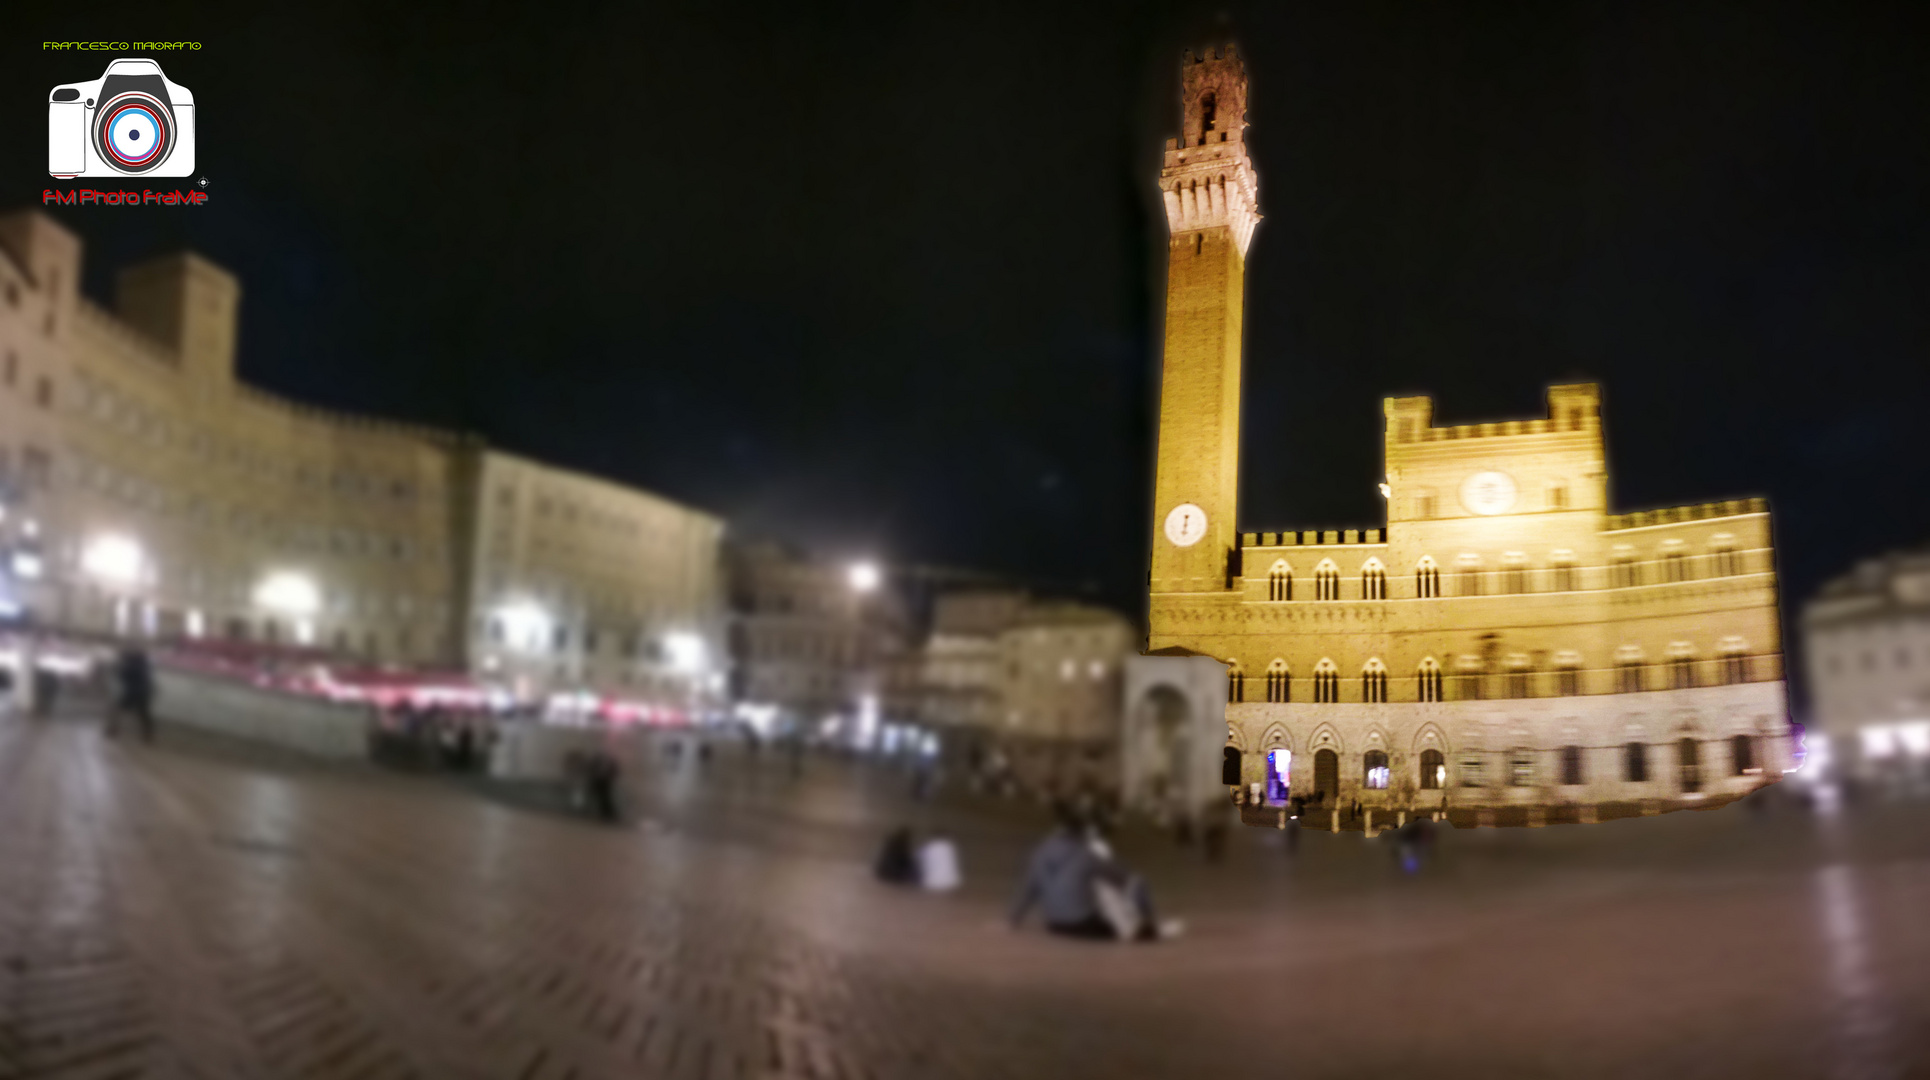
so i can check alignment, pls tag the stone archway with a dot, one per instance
(1163, 741)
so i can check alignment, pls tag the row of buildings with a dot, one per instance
(146, 491)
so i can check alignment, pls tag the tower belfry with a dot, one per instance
(1211, 194)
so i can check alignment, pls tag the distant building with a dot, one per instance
(962, 661)
(146, 491)
(1506, 644)
(1866, 636)
(815, 646)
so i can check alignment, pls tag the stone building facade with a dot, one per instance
(1866, 638)
(169, 499)
(1504, 642)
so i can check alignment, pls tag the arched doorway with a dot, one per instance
(1689, 756)
(1326, 776)
(1164, 738)
(1230, 766)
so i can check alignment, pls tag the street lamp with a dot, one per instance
(864, 577)
(113, 560)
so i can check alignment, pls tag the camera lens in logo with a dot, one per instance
(134, 132)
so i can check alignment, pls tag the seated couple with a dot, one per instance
(1081, 891)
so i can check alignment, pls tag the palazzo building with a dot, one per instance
(1866, 638)
(146, 491)
(1504, 643)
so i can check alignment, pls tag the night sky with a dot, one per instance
(883, 279)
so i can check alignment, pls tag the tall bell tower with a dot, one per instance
(1211, 195)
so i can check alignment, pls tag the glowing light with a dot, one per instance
(27, 564)
(289, 593)
(1878, 742)
(1915, 737)
(114, 560)
(864, 577)
(1386, 492)
(867, 721)
(686, 651)
(526, 624)
(197, 623)
(1377, 777)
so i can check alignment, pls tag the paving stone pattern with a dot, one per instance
(190, 910)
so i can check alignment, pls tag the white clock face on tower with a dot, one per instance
(1186, 525)
(1488, 493)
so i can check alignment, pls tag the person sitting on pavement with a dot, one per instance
(1081, 891)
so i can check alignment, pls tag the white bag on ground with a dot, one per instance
(1118, 909)
(938, 866)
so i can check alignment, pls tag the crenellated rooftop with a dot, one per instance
(1642, 519)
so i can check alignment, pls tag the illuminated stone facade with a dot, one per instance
(169, 499)
(1504, 642)
(1866, 638)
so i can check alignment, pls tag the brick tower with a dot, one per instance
(1210, 190)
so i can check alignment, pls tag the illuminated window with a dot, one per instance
(1628, 669)
(1375, 771)
(1427, 579)
(1568, 674)
(1472, 679)
(1681, 667)
(1520, 671)
(1373, 681)
(1514, 572)
(1675, 564)
(1279, 681)
(1433, 770)
(1326, 682)
(1622, 570)
(1728, 561)
(1571, 765)
(1470, 575)
(1280, 582)
(1326, 581)
(1373, 581)
(1563, 563)
(1429, 678)
(1235, 685)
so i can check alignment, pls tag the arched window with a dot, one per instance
(1470, 575)
(1326, 581)
(1279, 681)
(1520, 674)
(1514, 572)
(1235, 683)
(1571, 765)
(1209, 115)
(1681, 665)
(1622, 572)
(1427, 578)
(1568, 673)
(1326, 681)
(1374, 770)
(1735, 660)
(1434, 770)
(1373, 681)
(1230, 766)
(1743, 749)
(1675, 562)
(1373, 581)
(1562, 561)
(1280, 581)
(1635, 762)
(1429, 677)
(1472, 677)
(1628, 669)
(1728, 562)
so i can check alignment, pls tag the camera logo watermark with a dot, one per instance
(131, 122)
